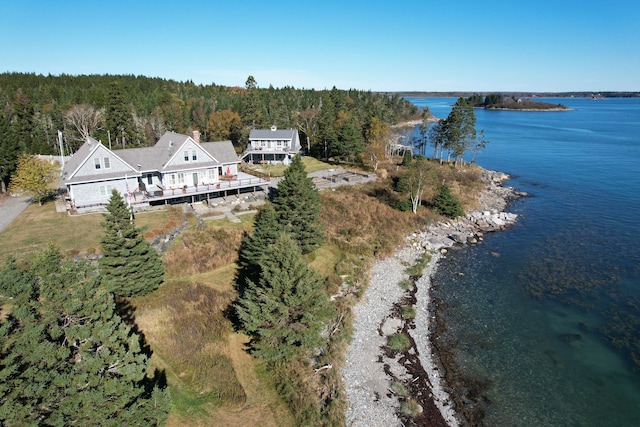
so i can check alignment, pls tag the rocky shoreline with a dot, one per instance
(372, 373)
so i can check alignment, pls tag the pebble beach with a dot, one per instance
(370, 371)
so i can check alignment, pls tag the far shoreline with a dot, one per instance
(532, 110)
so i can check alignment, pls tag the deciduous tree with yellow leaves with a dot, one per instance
(33, 177)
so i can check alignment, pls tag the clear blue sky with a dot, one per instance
(415, 45)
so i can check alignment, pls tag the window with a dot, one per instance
(194, 155)
(181, 178)
(105, 190)
(107, 163)
(212, 175)
(150, 179)
(96, 162)
(172, 180)
(186, 156)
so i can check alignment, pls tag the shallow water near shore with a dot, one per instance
(545, 318)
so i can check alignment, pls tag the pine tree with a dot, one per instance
(445, 203)
(118, 117)
(67, 358)
(298, 207)
(15, 282)
(9, 152)
(129, 265)
(285, 311)
(253, 247)
(460, 129)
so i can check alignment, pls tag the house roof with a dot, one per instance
(76, 160)
(272, 134)
(150, 159)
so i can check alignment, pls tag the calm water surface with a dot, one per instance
(545, 321)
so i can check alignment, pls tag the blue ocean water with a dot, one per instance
(544, 323)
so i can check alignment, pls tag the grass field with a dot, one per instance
(310, 164)
(75, 235)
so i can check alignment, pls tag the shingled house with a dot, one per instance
(272, 146)
(179, 168)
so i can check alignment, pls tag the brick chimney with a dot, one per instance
(196, 136)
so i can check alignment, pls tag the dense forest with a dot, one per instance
(130, 111)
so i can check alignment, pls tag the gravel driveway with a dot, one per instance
(10, 208)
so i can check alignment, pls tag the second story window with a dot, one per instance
(194, 155)
(186, 156)
(96, 162)
(107, 163)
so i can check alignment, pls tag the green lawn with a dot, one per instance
(38, 225)
(311, 165)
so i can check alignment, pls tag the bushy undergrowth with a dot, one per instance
(175, 218)
(202, 249)
(363, 225)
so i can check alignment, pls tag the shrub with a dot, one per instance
(399, 389)
(408, 312)
(445, 203)
(398, 342)
(410, 408)
(405, 284)
(403, 205)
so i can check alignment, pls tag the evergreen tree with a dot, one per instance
(118, 118)
(445, 203)
(298, 207)
(285, 311)
(9, 153)
(129, 265)
(266, 230)
(349, 144)
(15, 282)
(251, 114)
(460, 129)
(67, 358)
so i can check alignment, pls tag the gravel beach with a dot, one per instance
(371, 402)
(369, 372)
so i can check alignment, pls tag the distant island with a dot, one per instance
(498, 101)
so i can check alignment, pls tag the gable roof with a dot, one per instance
(83, 155)
(223, 151)
(151, 159)
(273, 134)
(79, 157)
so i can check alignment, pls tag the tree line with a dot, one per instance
(130, 111)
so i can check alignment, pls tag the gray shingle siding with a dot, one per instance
(87, 185)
